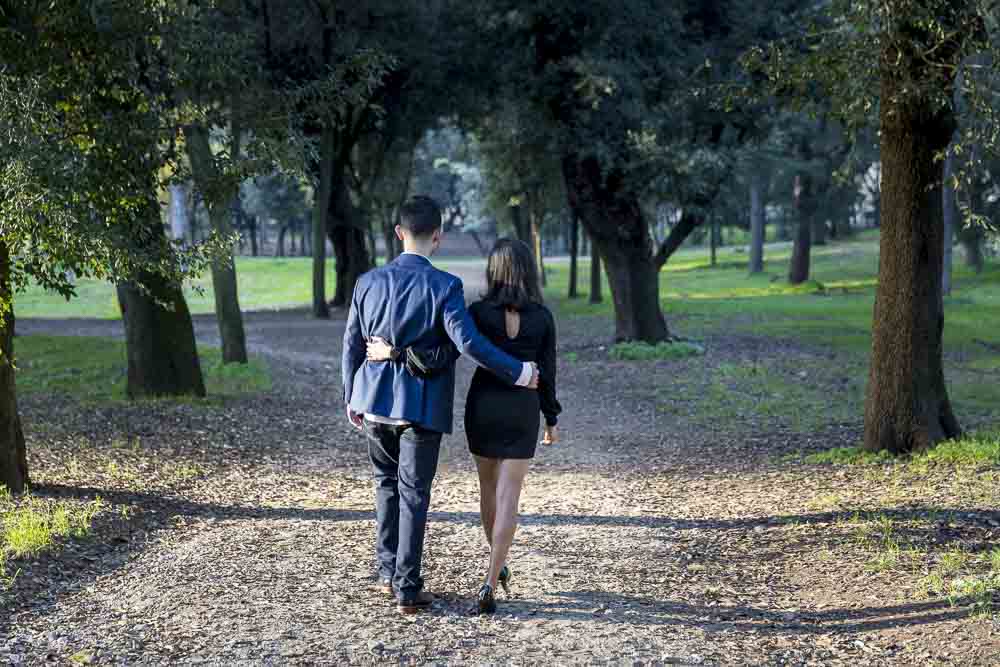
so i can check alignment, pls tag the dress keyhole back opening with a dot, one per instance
(512, 322)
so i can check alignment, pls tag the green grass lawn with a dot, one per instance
(264, 283)
(832, 312)
(834, 308)
(93, 369)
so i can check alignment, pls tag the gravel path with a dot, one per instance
(242, 533)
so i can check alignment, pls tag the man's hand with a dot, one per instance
(551, 435)
(379, 349)
(357, 420)
(534, 376)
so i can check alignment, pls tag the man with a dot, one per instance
(412, 305)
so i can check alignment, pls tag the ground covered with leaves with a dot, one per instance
(692, 514)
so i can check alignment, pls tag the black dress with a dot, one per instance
(502, 422)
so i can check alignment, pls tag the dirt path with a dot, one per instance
(645, 540)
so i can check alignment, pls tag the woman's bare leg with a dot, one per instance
(508, 494)
(489, 472)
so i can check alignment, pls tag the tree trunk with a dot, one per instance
(798, 271)
(613, 217)
(907, 406)
(321, 209)
(536, 245)
(279, 244)
(595, 275)
(522, 228)
(819, 232)
(758, 223)
(714, 241)
(178, 212)
(784, 233)
(254, 241)
(972, 237)
(950, 215)
(13, 458)
(162, 353)
(348, 237)
(389, 238)
(679, 233)
(218, 201)
(574, 251)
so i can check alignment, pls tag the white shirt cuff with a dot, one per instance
(525, 378)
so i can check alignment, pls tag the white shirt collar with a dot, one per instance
(408, 252)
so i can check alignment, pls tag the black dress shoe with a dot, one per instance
(487, 600)
(412, 604)
(504, 579)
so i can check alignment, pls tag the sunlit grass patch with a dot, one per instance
(30, 526)
(973, 450)
(965, 579)
(662, 351)
(94, 369)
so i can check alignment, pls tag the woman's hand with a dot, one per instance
(551, 435)
(379, 350)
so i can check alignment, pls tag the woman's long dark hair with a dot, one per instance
(512, 275)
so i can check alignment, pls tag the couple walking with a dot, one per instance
(407, 326)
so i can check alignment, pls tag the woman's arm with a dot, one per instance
(547, 374)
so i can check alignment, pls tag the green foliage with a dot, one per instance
(639, 351)
(93, 369)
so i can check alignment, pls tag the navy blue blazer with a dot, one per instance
(411, 304)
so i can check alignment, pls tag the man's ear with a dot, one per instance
(399, 233)
(438, 233)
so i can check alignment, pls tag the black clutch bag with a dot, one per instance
(428, 363)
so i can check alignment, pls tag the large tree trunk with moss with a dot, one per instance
(159, 335)
(798, 271)
(347, 233)
(758, 222)
(613, 217)
(13, 458)
(219, 197)
(907, 406)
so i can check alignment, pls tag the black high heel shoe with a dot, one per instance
(504, 579)
(487, 600)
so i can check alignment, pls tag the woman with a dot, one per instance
(501, 421)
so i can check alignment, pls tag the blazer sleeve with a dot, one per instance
(463, 333)
(547, 373)
(354, 350)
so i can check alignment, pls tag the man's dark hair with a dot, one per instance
(421, 215)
